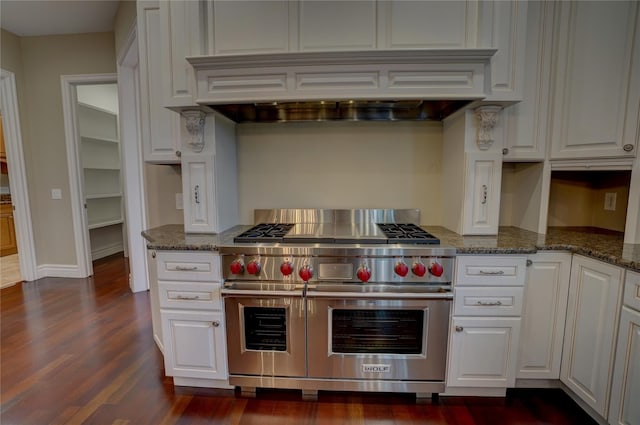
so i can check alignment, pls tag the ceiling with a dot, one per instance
(49, 17)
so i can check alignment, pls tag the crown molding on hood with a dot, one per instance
(364, 77)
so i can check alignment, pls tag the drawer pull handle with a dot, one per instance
(492, 273)
(459, 328)
(215, 323)
(489, 304)
(182, 297)
(186, 269)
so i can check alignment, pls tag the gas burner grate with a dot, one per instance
(406, 233)
(265, 232)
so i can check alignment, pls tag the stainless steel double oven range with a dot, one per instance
(353, 300)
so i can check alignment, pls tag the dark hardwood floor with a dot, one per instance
(80, 351)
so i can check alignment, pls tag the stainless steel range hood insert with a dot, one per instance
(368, 85)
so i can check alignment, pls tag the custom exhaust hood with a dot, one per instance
(378, 85)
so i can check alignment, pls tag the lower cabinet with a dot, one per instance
(543, 315)
(624, 408)
(194, 344)
(485, 352)
(595, 297)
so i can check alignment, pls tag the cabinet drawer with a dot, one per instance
(632, 290)
(490, 270)
(488, 301)
(188, 266)
(190, 295)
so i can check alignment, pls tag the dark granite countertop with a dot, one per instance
(596, 243)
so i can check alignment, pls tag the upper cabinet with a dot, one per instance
(217, 28)
(159, 126)
(596, 80)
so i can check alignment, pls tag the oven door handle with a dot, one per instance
(260, 294)
(381, 295)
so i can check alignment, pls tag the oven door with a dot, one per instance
(377, 336)
(265, 330)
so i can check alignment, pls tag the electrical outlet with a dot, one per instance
(179, 205)
(56, 193)
(610, 201)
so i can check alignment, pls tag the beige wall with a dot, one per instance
(521, 194)
(45, 59)
(340, 165)
(125, 17)
(162, 183)
(577, 199)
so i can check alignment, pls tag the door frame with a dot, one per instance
(74, 164)
(17, 175)
(132, 159)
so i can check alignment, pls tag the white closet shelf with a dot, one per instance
(103, 195)
(111, 168)
(93, 139)
(105, 224)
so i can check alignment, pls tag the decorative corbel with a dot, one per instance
(487, 117)
(195, 127)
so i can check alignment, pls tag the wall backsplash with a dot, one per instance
(578, 198)
(340, 165)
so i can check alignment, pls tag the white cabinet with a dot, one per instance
(596, 80)
(482, 194)
(181, 35)
(102, 181)
(156, 323)
(209, 179)
(526, 121)
(160, 127)
(193, 347)
(485, 329)
(192, 317)
(595, 296)
(543, 315)
(624, 408)
(484, 350)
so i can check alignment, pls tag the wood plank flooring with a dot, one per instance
(10, 270)
(80, 351)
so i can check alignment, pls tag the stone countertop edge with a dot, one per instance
(594, 243)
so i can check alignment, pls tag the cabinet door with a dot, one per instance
(194, 344)
(543, 316)
(526, 122)
(181, 36)
(597, 80)
(624, 408)
(8, 243)
(482, 352)
(156, 323)
(198, 193)
(160, 127)
(595, 294)
(428, 24)
(482, 194)
(249, 27)
(337, 25)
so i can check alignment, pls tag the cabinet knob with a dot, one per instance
(459, 328)
(505, 151)
(215, 323)
(153, 254)
(178, 154)
(628, 147)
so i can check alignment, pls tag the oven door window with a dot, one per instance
(265, 328)
(377, 331)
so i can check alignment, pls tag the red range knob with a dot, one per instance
(401, 268)
(363, 273)
(253, 267)
(418, 269)
(436, 269)
(236, 267)
(286, 268)
(306, 273)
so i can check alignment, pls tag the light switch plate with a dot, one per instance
(56, 193)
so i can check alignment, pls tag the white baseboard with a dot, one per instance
(106, 251)
(58, 270)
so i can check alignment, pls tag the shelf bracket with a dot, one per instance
(194, 122)
(487, 117)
